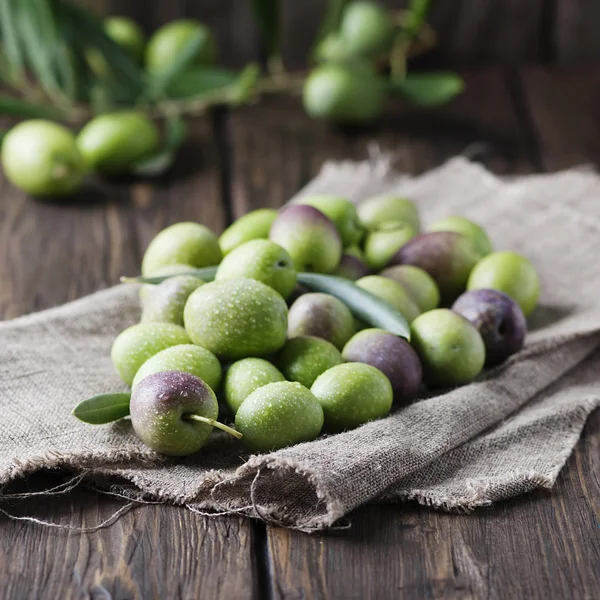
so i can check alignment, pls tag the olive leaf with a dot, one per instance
(427, 89)
(195, 81)
(415, 17)
(21, 108)
(206, 274)
(159, 83)
(331, 19)
(267, 14)
(103, 408)
(10, 40)
(364, 306)
(159, 162)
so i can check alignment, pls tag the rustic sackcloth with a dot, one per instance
(506, 434)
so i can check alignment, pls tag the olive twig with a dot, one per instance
(230, 430)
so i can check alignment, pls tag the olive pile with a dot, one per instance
(286, 362)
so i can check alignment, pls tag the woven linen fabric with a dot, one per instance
(506, 434)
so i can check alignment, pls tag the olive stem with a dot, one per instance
(214, 423)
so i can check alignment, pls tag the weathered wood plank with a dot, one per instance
(576, 31)
(52, 253)
(543, 546)
(563, 108)
(150, 552)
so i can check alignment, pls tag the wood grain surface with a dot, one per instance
(546, 545)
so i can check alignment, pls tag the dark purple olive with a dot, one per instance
(499, 320)
(392, 355)
(352, 267)
(447, 256)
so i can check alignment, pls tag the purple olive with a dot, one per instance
(323, 316)
(352, 267)
(159, 406)
(499, 320)
(447, 256)
(392, 355)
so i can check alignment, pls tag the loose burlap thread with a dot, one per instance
(508, 433)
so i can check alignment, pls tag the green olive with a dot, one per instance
(366, 30)
(111, 143)
(168, 42)
(41, 158)
(348, 93)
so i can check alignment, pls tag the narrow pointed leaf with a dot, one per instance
(21, 108)
(161, 161)
(160, 82)
(364, 306)
(104, 408)
(10, 41)
(195, 81)
(331, 18)
(427, 89)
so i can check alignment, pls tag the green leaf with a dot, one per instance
(427, 89)
(417, 11)
(267, 14)
(89, 34)
(246, 81)
(158, 83)
(10, 40)
(206, 274)
(37, 29)
(104, 408)
(332, 18)
(364, 306)
(161, 161)
(195, 81)
(21, 108)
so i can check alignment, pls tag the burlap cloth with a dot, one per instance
(506, 434)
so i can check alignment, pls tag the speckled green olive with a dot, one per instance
(187, 358)
(392, 292)
(236, 318)
(182, 243)
(112, 142)
(418, 283)
(367, 29)
(161, 407)
(254, 225)
(323, 316)
(41, 158)
(134, 346)
(382, 243)
(468, 228)
(352, 394)
(451, 350)
(245, 376)
(343, 214)
(304, 358)
(378, 210)
(510, 273)
(310, 238)
(262, 260)
(347, 93)
(166, 44)
(278, 415)
(166, 301)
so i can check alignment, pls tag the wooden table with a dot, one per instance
(546, 545)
